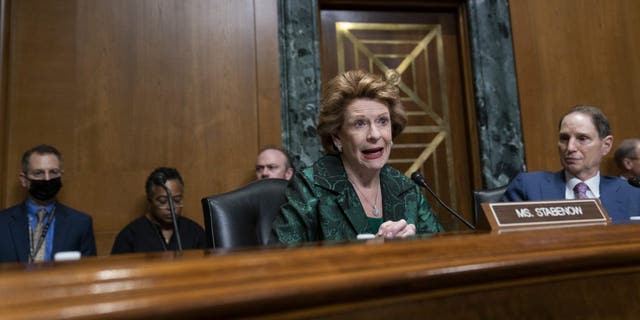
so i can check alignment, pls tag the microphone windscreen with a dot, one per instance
(417, 177)
(159, 179)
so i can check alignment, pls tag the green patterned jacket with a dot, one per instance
(323, 205)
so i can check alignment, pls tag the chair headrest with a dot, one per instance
(243, 217)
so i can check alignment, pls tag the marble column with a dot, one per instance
(300, 78)
(496, 91)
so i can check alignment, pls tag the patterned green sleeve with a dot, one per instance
(297, 221)
(427, 220)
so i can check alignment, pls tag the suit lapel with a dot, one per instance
(608, 194)
(352, 208)
(555, 185)
(60, 229)
(331, 176)
(19, 229)
(393, 187)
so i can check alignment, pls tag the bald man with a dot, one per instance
(273, 162)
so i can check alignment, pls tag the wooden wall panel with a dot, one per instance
(575, 52)
(4, 56)
(121, 87)
(268, 73)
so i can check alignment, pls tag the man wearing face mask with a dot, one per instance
(36, 229)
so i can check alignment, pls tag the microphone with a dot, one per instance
(419, 180)
(160, 179)
(634, 182)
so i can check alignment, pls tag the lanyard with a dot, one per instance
(43, 235)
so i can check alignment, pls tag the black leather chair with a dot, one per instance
(243, 217)
(488, 195)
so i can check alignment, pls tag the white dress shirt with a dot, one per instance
(593, 183)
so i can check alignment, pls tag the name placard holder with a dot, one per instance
(527, 215)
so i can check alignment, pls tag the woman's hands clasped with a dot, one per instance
(396, 229)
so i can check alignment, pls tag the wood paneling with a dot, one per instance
(575, 52)
(268, 72)
(121, 87)
(4, 57)
(570, 273)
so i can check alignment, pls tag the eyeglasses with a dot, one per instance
(163, 202)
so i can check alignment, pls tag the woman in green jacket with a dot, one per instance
(351, 190)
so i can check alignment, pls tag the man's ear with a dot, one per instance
(607, 142)
(24, 181)
(288, 174)
(627, 163)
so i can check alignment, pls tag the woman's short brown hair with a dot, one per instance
(346, 87)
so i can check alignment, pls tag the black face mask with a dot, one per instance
(45, 189)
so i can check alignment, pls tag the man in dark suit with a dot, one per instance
(39, 227)
(584, 139)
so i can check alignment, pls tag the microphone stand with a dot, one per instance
(419, 179)
(172, 209)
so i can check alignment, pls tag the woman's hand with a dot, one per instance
(396, 229)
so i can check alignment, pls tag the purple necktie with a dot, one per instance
(581, 190)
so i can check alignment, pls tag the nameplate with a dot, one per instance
(544, 214)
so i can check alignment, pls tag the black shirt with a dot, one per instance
(141, 235)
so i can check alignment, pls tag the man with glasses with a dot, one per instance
(40, 227)
(584, 138)
(154, 230)
(627, 158)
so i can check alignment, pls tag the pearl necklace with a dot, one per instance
(376, 212)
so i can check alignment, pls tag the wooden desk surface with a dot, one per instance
(585, 272)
